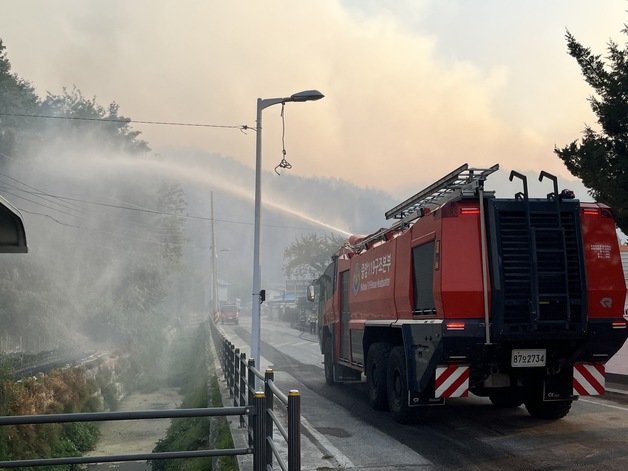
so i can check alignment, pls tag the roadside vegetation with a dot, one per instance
(72, 390)
(61, 391)
(199, 387)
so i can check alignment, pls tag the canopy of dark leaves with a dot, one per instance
(308, 256)
(600, 157)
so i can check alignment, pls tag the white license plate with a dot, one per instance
(523, 358)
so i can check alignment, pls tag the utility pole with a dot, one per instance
(214, 262)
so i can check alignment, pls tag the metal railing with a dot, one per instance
(241, 377)
(127, 415)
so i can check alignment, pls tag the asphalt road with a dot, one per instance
(469, 434)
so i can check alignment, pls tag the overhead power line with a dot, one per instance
(38, 192)
(241, 127)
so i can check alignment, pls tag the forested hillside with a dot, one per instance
(81, 283)
(119, 235)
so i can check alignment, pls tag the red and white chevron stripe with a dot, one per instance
(452, 381)
(588, 379)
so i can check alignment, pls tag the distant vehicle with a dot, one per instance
(229, 313)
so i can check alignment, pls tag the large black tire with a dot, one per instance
(397, 387)
(376, 368)
(509, 398)
(552, 410)
(537, 407)
(328, 359)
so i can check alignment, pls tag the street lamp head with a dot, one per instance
(307, 95)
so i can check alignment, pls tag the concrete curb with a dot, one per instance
(617, 391)
(330, 452)
(619, 380)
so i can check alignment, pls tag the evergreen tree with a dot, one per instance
(600, 159)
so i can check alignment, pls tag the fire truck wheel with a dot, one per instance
(547, 410)
(507, 397)
(397, 387)
(328, 359)
(376, 367)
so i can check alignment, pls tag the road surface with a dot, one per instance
(469, 434)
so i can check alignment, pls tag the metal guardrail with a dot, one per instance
(241, 377)
(125, 415)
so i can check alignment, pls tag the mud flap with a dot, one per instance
(558, 387)
(423, 349)
(416, 399)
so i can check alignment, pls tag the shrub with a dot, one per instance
(193, 433)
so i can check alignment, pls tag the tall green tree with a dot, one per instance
(600, 158)
(172, 202)
(308, 256)
(87, 123)
(90, 121)
(17, 96)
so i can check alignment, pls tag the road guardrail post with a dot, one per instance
(269, 375)
(250, 395)
(259, 433)
(230, 368)
(294, 430)
(227, 348)
(243, 393)
(236, 376)
(223, 355)
(226, 356)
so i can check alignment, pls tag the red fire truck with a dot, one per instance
(517, 299)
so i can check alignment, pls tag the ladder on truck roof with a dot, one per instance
(441, 191)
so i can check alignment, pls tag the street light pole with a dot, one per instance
(307, 95)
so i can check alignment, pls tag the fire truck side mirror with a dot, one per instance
(310, 293)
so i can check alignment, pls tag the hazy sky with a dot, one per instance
(413, 88)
